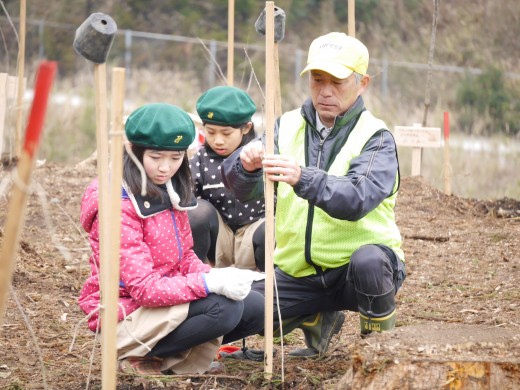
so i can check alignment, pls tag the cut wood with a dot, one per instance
(443, 356)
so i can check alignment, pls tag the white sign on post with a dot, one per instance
(417, 137)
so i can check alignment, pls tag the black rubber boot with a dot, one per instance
(318, 333)
(289, 324)
(376, 312)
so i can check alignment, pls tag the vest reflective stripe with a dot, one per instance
(333, 240)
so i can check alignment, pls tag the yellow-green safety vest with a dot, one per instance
(333, 240)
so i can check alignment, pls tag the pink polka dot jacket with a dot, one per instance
(157, 264)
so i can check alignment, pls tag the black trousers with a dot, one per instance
(212, 317)
(374, 270)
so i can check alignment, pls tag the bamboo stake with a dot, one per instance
(109, 268)
(269, 185)
(100, 96)
(21, 89)
(12, 95)
(231, 41)
(3, 108)
(352, 18)
(22, 175)
(278, 92)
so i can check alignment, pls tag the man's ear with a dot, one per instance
(365, 80)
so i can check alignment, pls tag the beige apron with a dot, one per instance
(235, 248)
(149, 325)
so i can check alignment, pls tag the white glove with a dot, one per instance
(233, 283)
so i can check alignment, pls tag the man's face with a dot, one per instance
(331, 96)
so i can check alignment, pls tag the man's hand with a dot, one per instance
(282, 168)
(251, 156)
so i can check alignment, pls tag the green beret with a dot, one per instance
(160, 126)
(225, 106)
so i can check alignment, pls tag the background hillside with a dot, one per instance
(480, 33)
(174, 50)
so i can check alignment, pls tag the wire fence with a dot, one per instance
(133, 49)
(178, 68)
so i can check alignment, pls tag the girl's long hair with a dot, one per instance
(132, 176)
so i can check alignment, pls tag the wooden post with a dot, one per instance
(447, 167)
(3, 108)
(109, 268)
(416, 157)
(231, 41)
(100, 96)
(351, 18)
(12, 96)
(21, 89)
(278, 91)
(269, 185)
(17, 204)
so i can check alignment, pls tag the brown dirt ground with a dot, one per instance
(463, 271)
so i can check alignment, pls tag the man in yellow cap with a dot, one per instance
(337, 175)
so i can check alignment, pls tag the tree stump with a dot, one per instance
(436, 357)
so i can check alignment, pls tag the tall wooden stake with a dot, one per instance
(110, 267)
(351, 11)
(100, 97)
(17, 205)
(3, 108)
(269, 185)
(231, 41)
(278, 87)
(21, 91)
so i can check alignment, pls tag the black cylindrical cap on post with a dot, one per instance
(94, 37)
(279, 24)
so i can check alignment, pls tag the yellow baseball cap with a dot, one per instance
(337, 54)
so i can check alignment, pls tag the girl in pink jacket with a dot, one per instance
(174, 310)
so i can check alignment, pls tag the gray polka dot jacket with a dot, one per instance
(208, 185)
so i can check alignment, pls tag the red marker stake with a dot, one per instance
(23, 172)
(447, 167)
